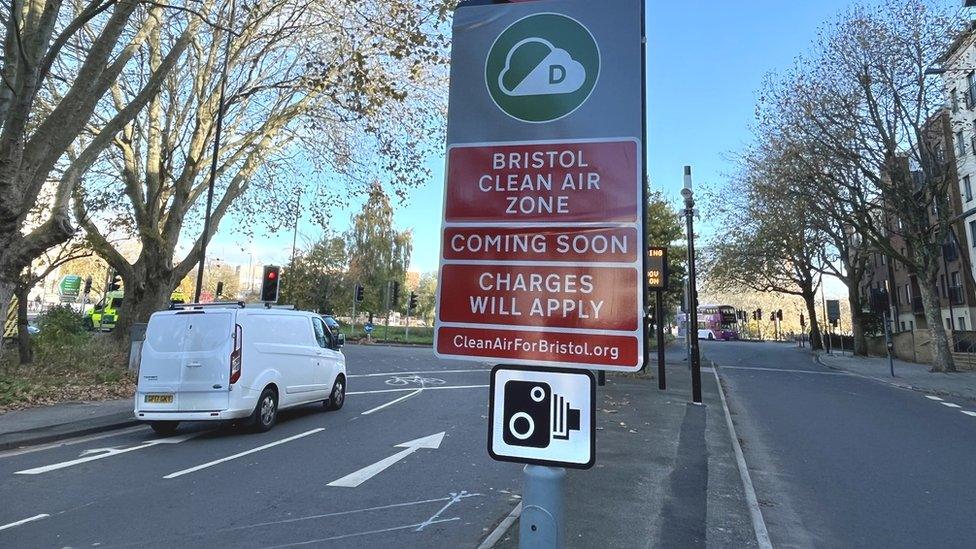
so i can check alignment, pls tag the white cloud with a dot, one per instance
(558, 73)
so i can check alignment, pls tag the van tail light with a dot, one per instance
(235, 355)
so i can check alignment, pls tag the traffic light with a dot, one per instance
(396, 293)
(88, 283)
(270, 284)
(220, 290)
(114, 281)
(413, 302)
(359, 293)
(779, 314)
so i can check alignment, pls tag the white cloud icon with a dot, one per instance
(558, 73)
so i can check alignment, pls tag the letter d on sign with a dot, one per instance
(553, 69)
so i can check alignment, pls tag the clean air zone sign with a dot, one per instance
(542, 245)
(542, 68)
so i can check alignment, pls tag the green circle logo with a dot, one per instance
(542, 67)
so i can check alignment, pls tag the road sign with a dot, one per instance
(657, 268)
(11, 328)
(542, 248)
(833, 310)
(368, 327)
(542, 416)
(70, 286)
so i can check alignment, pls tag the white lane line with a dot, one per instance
(784, 370)
(70, 442)
(968, 413)
(392, 402)
(758, 524)
(496, 535)
(412, 389)
(242, 454)
(329, 515)
(950, 405)
(344, 536)
(455, 497)
(387, 374)
(25, 521)
(103, 453)
(930, 397)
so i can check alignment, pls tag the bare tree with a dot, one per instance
(59, 61)
(316, 92)
(862, 109)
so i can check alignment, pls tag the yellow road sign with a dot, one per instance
(10, 325)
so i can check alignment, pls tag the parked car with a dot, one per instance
(224, 362)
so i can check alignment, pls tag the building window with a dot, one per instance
(971, 91)
(972, 232)
(960, 144)
(943, 280)
(962, 323)
(967, 186)
(955, 100)
(955, 279)
(948, 327)
(903, 325)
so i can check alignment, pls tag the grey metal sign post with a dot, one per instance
(546, 136)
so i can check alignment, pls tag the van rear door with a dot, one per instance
(190, 351)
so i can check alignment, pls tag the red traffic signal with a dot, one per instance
(270, 284)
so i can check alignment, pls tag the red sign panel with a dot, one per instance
(619, 351)
(541, 254)
(574, 244)
(591, 298)
(555, 183)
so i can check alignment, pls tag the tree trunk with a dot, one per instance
(23, 336)
(941, 352)
(810, 299)
(149, 291)
(857, 321)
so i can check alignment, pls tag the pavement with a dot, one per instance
(840, 460)
(665, 474)
(908, 375)
(44, 424)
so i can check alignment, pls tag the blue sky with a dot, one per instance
(706, 62)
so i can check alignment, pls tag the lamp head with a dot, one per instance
(686, 193)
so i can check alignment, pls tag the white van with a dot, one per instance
(227, 362)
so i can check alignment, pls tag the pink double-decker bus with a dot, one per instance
(714, 322)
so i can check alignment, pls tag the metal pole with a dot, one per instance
(542, 522)
(888, 343)
(353, 314)
(659, 318)
(205, 237)
(294, 236)
(688, 194)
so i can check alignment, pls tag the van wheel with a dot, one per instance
(266, 412)
(338, 396)
(164, 428)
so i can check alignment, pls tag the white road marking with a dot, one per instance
(107, 452)
(392, 402)
(784, 370)
(330, 515)
(344, 536)
(25, 521)
(455, 497)
(496, 535)
(950, 405)
(968, 413)
(412, 389)
(242, 454)
(352, 480)
(70, 442)
(758, 523)
(387, 374)
(930, 397)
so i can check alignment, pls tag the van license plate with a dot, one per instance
(159, 399)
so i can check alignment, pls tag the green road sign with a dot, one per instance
(542, 67)
(70, 286)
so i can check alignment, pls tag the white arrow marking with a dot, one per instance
(353, 480)
(106, 452)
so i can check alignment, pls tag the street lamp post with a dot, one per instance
(216, 152)
(688, 194)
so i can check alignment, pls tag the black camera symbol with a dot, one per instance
(534, 416)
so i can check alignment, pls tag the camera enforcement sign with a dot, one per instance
(542, 416)
(542, 255)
